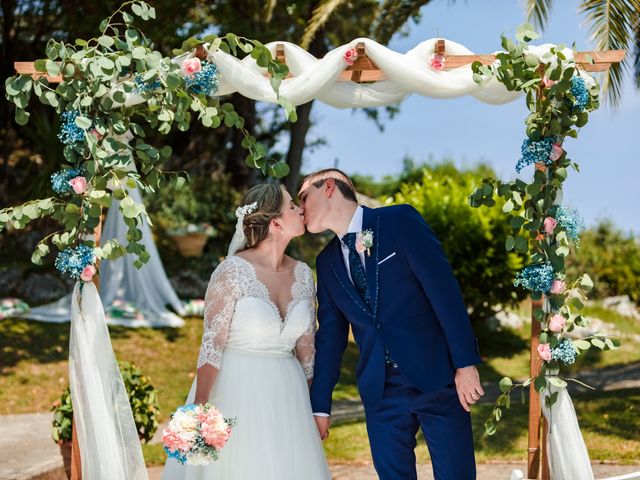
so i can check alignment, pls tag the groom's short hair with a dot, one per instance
(343, 182)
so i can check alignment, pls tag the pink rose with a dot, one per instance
(544, 351)
(79, 185)
(437, 61)
(350, 56)
(359, 245)
(88, 273)
(558, 287)
(191, 66)
(556, 152)
(549, 225)
(547, 82)
(556, 324)
(95, 134)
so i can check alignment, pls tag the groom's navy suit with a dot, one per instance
(418, 315)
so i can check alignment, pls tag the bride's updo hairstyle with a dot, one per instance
(269, 199)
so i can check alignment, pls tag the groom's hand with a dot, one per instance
(323, 424)
(468, 386)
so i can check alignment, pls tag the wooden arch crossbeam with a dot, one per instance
(364, 70)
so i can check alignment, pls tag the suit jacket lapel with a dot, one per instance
(371, 221)
(340, 271)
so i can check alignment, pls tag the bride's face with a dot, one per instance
(291, 220)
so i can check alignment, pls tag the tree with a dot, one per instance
(614, 25)
(473, 239)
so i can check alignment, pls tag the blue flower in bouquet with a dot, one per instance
(571, 221)
(201, 77)
(579, 93)
(535, 151)
(564, 352)
(143, 87)
(74, 260)
(60, 180)
(70, 133)
(536, 278)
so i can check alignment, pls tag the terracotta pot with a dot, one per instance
(191, 244)
(65, 451)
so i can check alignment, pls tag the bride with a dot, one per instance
(257, 352)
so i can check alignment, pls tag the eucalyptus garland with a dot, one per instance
(104, 136)
(560, 98)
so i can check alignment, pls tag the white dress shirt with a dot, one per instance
(355, 226)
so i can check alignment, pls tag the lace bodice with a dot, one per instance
(239, 314)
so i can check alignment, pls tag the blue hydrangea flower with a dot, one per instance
(60, 180)
(564, 352)
(571, 221)
(535, 151)
(536, 278)
(70, 133)
(205, 81)
(142, 86)
(73, 260)
(579, 93)
(177, 455)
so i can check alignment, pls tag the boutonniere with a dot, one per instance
(364, 242)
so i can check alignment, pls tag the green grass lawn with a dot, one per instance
(34, 371)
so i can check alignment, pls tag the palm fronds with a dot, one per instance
(320, 16)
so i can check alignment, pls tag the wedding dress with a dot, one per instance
(264, 362)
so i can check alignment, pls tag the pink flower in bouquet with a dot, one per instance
(557, 323)
(544, 351)
(547, 82)
(181, 441)
(191, 66)
(214, 429)
(88, 273)
(437, 61)
(556, 152)
(79, 185)
(360, 245)
(549, 225)
(558, 287)
(350, 56)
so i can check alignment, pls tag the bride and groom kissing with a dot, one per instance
(384, 275)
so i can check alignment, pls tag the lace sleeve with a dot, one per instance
(305, 345)
(219, 304)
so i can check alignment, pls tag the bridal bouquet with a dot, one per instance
(196, 434)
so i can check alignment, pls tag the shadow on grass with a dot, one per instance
(613, 413)
(33, 341)
(505, 343)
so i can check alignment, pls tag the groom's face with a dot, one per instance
(315, 206)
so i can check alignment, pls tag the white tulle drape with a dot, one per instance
(567, 452)
(109, 444)
(313, 78)
(147, 288)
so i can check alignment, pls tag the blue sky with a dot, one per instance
(469, 131)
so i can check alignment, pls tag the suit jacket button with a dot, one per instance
(378, 326)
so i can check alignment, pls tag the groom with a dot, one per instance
(385, 274)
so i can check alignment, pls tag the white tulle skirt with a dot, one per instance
(275, 437)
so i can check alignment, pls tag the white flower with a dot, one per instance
(198, 458)
(246, 209)
(184, 422)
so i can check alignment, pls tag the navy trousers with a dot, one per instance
(446, 426)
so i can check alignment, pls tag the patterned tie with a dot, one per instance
(358, 275)
(359, 278)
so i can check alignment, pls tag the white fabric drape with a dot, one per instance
(567, 452)
(314, 78)
(108, 439)
(147, 288)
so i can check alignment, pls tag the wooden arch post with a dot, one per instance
(364, 70)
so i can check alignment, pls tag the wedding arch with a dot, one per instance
(109, 89)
